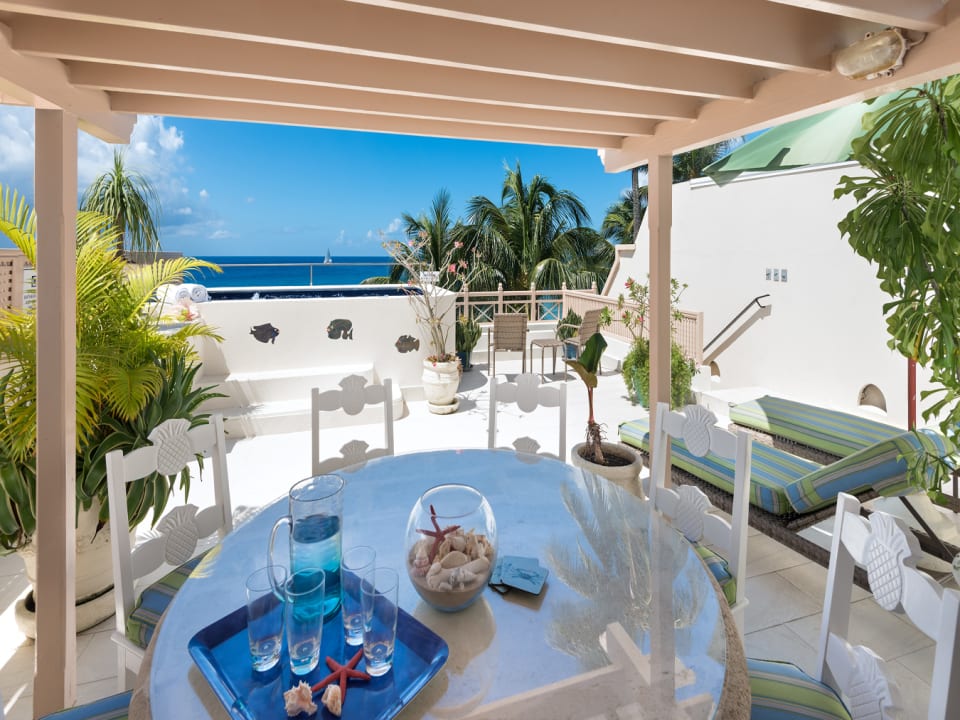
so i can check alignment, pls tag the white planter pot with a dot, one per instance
(440, 384)
(626, 476)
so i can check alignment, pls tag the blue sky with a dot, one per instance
(246, 189)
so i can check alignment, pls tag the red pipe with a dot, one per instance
(911, 393)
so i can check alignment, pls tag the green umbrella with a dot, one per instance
(814, 140)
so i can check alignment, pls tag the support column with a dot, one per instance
(660, 212)
(55, 678)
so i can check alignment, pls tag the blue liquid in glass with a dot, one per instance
(316, 543)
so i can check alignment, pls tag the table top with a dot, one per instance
(616, 571)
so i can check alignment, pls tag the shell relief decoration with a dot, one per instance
(174, 449)
(352, 394)
(696, 429)
(888, 550)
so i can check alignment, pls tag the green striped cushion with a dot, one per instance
(154, 601)
(782, 691)
(109, 708)
(720, 569)
(772, 470)
(832, 431)
(882, 466)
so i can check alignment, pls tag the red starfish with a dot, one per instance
(438, 535)
(343, 672)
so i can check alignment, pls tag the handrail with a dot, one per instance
(740, 314)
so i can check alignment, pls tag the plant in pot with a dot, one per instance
(614, 461)
(633, 310)
(567, 329)
(468, 333)
(130, 378)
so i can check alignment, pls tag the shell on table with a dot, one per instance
(462, 560)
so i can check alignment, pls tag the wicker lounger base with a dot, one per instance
(791, 446)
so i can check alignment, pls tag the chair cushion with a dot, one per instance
(720, 569)
(772, 471)
(832, 431)
(782, 691)
(114, 707)
(154, 601)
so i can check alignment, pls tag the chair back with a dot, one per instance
(352, 398)
(528, 394)
(509, 333)
(590, 325)
(174, 539)
(688, 508)
(889, 551)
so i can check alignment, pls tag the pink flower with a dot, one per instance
(463, 264)
(629, 282)
(458, 244)
(452, 268)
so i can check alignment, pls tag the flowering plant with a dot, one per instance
(429, 288)
(638, 296)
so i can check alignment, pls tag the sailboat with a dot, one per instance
(327, 259)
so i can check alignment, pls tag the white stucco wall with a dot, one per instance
(826, 337)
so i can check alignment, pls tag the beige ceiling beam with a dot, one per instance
(43, 83)
(220, 57)
(788, 96)
(792, 38)
(358, 30)
(211, 87)
(924, 15)
(252, 112)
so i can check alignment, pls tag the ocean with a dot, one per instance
(276, 271)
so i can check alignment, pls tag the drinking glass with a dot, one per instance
(316, 512)
(378, 597)
(265, 615)
(304, 618)
(357, 562)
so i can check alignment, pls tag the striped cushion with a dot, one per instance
(832, 431)
(154, 601)
(882, 466)
(782, 691)
(772, 470)
(720, 569)
(109, 708)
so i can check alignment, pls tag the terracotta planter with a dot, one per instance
(626, 476)
(440, 384)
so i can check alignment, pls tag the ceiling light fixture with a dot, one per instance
(877, 55)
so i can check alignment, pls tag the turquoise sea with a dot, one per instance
(277, 271)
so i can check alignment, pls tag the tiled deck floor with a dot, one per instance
(785, 589)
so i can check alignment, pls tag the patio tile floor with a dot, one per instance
(785, 589)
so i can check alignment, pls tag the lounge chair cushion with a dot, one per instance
(720, 569)
(772, 470)
(881, 467)
(154, 600)
(832, 431)
(782, 691)
(114, 707)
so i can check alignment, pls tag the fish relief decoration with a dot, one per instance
(407, 343)
(340, 329)
(265, 333)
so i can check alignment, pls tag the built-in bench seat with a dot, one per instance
(784, 484)
(830, 431)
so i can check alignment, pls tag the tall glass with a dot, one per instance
(265, 616)
(304, 619)
(315, 520)
(378, 597)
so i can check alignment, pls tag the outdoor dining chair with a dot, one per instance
(852, 681)
(689, 509)
(508, 334)
(527, 394)
(585, 330)
(172, 542)
(354, 396)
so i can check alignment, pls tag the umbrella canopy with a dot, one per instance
(814, 140)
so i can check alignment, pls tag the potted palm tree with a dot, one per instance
(131, 376)
(614, 461)
(468, 333)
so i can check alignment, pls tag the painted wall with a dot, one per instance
(826, 337)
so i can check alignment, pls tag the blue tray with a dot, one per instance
(222, 653)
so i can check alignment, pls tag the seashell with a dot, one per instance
(467, 577)
(434, 569)
(300, 699)
(444, 548)
(332, 700)
(445, 587)
(479, 566)
(458, 542)
(454, 559)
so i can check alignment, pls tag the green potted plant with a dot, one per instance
(614, 461)
(130, 378)
(567, 329)
(468, 333)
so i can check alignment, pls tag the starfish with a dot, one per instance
(342, 672)
(437, 534)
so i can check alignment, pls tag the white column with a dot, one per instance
(55, 679)
(660, 213)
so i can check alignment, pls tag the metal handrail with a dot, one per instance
(740, 314)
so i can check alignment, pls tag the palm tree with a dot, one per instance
(538, 234)
(618, 224)
(689, 165)
(130, 201)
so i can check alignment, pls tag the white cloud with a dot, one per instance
(250, 200)
(220, 234)
(204, 194)
(371, 234)
(395, 225)
(16, 143)
(184, 211)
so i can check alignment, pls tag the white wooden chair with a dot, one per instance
(689, 509)
(528, 394)
(354, 395)
(173, 541)
(888, 550)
